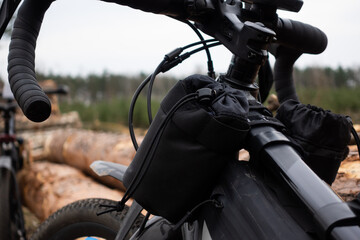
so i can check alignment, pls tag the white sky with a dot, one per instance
(90, 36)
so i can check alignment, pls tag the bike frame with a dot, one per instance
(10, 159)
(248, 33)
(270, 151)
(11, 162)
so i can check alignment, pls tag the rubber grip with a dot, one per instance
(31, 98)
(300, 36)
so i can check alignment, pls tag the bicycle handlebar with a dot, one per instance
(36, 105)
(294, 38)
(174, 8)
(21, 61)
(300, 36)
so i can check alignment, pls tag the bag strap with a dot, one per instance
(149, 155)
(354, 133)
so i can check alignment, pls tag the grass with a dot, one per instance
(113, 110)
(339, 100)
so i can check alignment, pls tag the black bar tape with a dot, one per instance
(283, 73)
(31, 98)
(22, 61)
(300, 36)
(175, 8)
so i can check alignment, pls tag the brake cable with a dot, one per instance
(171, 60)
(356, 137)
(354, 133)
(211, 72)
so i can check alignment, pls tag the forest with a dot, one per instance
(106, 97)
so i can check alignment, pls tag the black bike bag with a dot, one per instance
(201, 125)
(322, 135)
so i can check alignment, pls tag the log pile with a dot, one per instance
(60, 174)
(46, 187)
(59, 154)
(65, 120)
(347, 183)
(79, 148)
(37, 133)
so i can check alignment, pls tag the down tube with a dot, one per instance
(329, 211)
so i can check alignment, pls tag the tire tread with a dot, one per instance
(82, 211)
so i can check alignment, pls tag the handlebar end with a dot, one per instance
(38, 109)
(301, 36)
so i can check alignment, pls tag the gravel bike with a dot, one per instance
(275, 195)
(12, 156)
(11, 160)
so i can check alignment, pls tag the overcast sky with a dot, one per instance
(90, 36)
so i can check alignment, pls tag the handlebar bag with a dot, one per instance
(200, 126)
(322, 135)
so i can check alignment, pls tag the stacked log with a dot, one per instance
(55, 121)
(347, 183)
(46, 187)
(79, 148)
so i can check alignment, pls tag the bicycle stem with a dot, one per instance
(244, 67)
(247, 34)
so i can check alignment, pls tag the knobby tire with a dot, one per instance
(79, 219)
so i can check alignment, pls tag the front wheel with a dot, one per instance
(5, 207)
(79, 219)
(11, 216)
